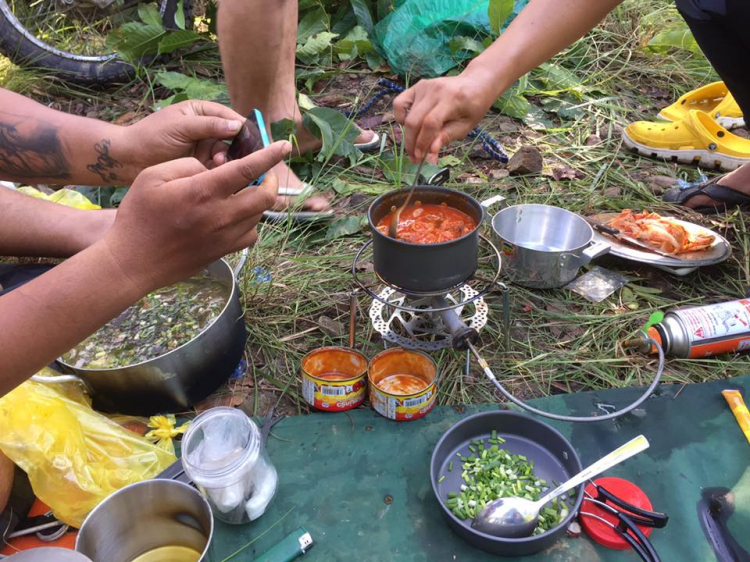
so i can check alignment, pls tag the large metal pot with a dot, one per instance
(543, 247)
(425, 268)
(175, 381)
(144, 517)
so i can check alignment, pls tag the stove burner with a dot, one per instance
(413, 323)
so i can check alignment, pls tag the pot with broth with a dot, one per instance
(169, 351)
(157, 324)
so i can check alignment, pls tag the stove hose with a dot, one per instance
(649, 391)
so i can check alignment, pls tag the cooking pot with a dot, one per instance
(543, 247)
(175, 381)
(146, 516)
(425, 268)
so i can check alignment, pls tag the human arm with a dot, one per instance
(435, 112)
(34, 227)
(41, 145)
(176, 218)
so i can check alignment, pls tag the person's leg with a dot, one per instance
(258, 40)
(726, 44)
(724, 40)
(6, 480)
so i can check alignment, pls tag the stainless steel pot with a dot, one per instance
(543, 247)
(172, 382)
(143, 517)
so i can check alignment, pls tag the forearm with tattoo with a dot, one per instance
(105, 166)
(30, 149)
(40, 145)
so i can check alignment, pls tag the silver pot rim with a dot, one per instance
(102, 505)
(520, 245)
(235, 289)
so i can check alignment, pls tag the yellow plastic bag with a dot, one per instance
(74, 456)
(66, 197)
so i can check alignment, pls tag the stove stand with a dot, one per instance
(415, 323)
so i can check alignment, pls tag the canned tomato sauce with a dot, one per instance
(402, 384)
(333, 378)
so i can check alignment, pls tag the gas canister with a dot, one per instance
(702, 331)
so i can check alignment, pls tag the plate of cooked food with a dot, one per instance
(647, 237)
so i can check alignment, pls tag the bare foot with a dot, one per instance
(288, 179)
(307, 142)
(739, 180)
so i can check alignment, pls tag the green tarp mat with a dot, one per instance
(360, 485)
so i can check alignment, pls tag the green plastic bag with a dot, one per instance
(415, 37)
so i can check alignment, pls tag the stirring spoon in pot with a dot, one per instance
(393, 227)
(518, 517)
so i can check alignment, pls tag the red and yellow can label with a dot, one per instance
(403, 408)
(333, 395)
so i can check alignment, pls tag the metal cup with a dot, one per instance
(146, 516)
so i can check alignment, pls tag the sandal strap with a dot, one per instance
(726, 195)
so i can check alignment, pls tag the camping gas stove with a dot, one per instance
(453, 317)
(430, 321)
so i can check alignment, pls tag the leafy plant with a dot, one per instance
(190, 87)
(135, 40)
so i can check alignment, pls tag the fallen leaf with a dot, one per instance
(330, 326)
(566, 173)
(372, 122)
(126, 118)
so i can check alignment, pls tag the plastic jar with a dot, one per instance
(223, 453)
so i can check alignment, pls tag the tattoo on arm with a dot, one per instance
(30, 149)
(105, 166)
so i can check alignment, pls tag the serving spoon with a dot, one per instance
(514, 518)
(393, 227)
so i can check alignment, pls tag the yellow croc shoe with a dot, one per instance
(713, 99)
(696, 139)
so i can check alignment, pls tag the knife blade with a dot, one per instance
(617, 234)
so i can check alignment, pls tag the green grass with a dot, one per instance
(560, 342)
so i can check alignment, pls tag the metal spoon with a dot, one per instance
(393, 227)
(517, 517)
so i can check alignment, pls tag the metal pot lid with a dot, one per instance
(719, 251)
(49, 554)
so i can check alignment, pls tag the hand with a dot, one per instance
(179, 217)
(436, 112)
(191, 129)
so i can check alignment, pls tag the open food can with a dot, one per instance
(402, 384)
(333, 378)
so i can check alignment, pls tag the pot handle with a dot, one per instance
(241, 263)
(58, 379)
(594, 251)
(487, 203)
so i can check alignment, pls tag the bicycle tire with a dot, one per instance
(24, 49)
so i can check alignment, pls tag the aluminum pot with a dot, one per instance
(172, 382)
(146, 516)
(425, 268)
(543, 247)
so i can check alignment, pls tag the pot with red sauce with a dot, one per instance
(438, 238)
(402, 384)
